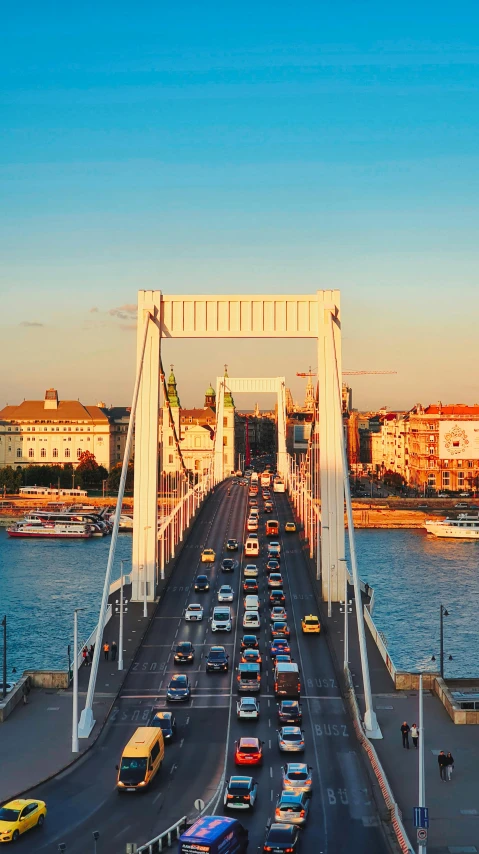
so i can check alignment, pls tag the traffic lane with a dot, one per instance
(350, 809)
(89, 788)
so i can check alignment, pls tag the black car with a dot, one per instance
(249, 642)
(273, 565)
(289, 712)
(165, 721)
(184, 653)
(277, 597)
(280, 838)
(202, 584)
(250, 585)
(179, 689)
(232, 545)
(227, 565)
(217, 659)
(241, 793)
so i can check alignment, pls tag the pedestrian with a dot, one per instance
(90, 653)
(405, 734)
(442, 762)
(84, 653)
(450, 765)
(113, 650)
(25, 691)
(414, 735)
(106, 650)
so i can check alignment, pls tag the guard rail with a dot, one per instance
(156, 844)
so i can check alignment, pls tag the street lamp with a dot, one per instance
(443, 613)
(75, 747)
(4, 624)
(96, 836)
(145, 607)
(122, 611)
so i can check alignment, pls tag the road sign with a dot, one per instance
(421, 817)
(199, 804)
(421, 835)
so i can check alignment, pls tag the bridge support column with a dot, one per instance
(219, 464)
(282, 459)
(331, 463)
(145, 515)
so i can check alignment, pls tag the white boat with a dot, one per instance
(464, 527)
(50, 530)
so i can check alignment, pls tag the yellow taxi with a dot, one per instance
(310, 623)
(20, 815)
(208, 556)
(290, 527)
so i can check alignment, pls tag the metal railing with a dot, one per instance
(156, 844)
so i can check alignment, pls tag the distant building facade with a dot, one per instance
(443, 447)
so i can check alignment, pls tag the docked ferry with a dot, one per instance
(464, 527)
(37, 528)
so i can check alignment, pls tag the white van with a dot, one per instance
(251, 602)
(251, 547)
(221, 619)
(251, 620)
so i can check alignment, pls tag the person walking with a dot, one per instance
(442, 762)
(405, 729)
(113, 650)
(414, 735)
(106, 651)
(84, 653)
(90, 652)
(449, 766)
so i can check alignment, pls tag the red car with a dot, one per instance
(248, 751)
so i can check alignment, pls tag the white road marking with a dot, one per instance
(270, 771)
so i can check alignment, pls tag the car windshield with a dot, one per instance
(194, 607)
(292, 736)
(225, 590)
(133, 764)
(221, 615)
(248, 704)
(239, 786)
(248, 748)
(161, 722)
(184, 647)
(227, 562)
(7, 814)
(216, 655)
(297, 775)
(178, 682)
(279, 834)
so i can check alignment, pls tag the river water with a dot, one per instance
(41, 582)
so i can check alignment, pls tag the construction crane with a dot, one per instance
(311, 373)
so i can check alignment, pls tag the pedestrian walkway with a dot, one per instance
(453, 806)
(36, 740)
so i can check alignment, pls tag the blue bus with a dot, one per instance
(214, 834)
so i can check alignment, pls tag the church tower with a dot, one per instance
(210, 397)
(228, 429)
(171, 405)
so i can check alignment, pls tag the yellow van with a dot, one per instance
(141, 759)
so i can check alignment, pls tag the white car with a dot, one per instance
(251, 570)
(251, 602)
(225, 593)
(194, 612)
(247, 707)
(251, 620)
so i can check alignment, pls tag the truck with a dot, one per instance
(286, 680)
(278, 486)
(214, 834)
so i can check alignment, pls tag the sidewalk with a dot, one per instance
(454, 806)
(35, 741)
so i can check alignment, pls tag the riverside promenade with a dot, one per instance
(36, 739)
(453, 806)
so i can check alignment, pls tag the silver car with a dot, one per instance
(297, 777)
(292, 808)
(291, 739)
(225, 593)
(278, 613)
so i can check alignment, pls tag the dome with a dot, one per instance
(210, 392)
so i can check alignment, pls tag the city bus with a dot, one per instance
(272, 528)
(278, 486)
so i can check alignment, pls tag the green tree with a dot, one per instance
(115, 475)
(88, 473)
(10, 479)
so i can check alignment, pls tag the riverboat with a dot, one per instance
(36, 528)
(464, 527)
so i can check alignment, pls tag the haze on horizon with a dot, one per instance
(207, 150)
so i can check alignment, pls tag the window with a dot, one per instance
(170, 441)
(431, 426)
(19, 452)
(197, 465)
(225, 441)
(446, 476)
(79, 453)
(67, 452)
(431, 480)
(225, 421)
(470, 464)
(460, 478)
(31, 452)
(431, 450)
(459, 464)
(445, 464)
(55, 452)
(170, 459)
(431, 438)
(43, 452)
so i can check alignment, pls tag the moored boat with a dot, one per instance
(36, 528)
(464, 527)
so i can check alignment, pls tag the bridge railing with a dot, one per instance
(158, 843)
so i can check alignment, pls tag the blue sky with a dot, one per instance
(263, 148)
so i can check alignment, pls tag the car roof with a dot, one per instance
(249, 700)
(249, 742)
(164, 716)
(236, 778)
(179, 677)
(202, 576)
(296, 766)
(217, 649)
(290, 729)
(292, 797)
(289, 702)
(19, 803)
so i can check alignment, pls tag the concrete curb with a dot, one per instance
(82, 755)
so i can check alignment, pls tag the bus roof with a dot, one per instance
(208, 828)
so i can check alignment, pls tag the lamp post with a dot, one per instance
(443, 613)
(422, 782)
(346, 609)
(122, 611)
(75, 747)
(4, 689)
(145, 606)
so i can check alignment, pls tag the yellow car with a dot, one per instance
(19, 816)
(208, 556)
(290, 527)
(310, 624)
